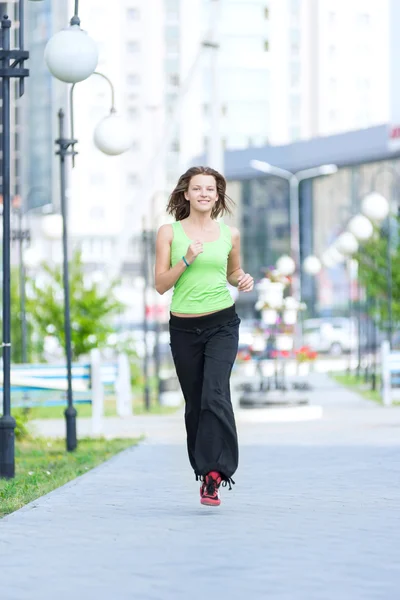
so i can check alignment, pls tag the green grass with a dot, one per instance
(358, 385)
(85, 410)
(43, 465)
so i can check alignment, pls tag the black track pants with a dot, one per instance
(204, 350)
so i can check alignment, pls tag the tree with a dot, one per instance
(92, 308)
(372, 258)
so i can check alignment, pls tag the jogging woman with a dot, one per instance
(197, 255)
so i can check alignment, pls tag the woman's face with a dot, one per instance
(202, 193)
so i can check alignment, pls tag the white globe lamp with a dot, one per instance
(337, 256)
(113, 135)
(312, 265)
(71, 55)
(347, 243)
(375, 207)
(361, 227)
(286, 265)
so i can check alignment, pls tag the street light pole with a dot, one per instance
(66, 148)
(145, 274)
(21, 235)
(8, 70)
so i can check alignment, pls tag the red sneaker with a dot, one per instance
(209, 491)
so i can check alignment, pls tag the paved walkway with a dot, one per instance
(314, 515)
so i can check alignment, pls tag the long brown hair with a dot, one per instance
(179, 207)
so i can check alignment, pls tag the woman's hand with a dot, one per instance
(245, 283)
(193, 251)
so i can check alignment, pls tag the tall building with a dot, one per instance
(329, 67)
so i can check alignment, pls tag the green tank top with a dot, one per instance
(202, 287)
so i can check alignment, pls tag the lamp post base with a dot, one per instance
(70, 419)
(7, 446)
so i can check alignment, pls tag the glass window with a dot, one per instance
(295, 105)
(175, 146)
(133, 79)
(133, 179)
(133, 14)
(133, 112)
(294, 41)
(174, 79)
(295, 74)
(295, 133)
(133, 47)
(295, 7)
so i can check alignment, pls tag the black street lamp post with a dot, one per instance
(21, 235)
(145, 274)
(12, 66)
(66, 148)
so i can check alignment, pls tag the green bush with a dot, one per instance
(21, 429)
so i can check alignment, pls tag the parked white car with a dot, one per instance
(334, 336)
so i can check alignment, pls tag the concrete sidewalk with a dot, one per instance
(314, 515)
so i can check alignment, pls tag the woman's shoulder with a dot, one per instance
(166, 232)
(233, 231)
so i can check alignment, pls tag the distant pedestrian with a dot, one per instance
(197, 255)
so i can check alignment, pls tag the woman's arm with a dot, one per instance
(235, 274)
(165, 275)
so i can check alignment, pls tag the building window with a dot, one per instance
(133, 47)
(266, 45)
(174, 79)
(133, 79)
(133, 14)
(295, 7)
(172, 9)
(295, 74)
(133, 113)
(295, 133)
(295, 105)
(172, 47)
(295, 41)
(175, 147)
(133, 179)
